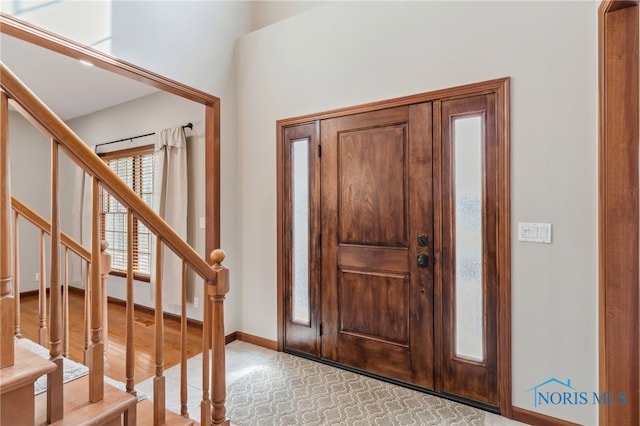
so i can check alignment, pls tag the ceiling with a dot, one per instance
(70, 88)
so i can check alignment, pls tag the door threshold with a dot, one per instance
(455, 398)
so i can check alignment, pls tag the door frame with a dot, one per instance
(618, 207)
(501, 87)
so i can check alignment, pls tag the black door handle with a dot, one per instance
(423, 260)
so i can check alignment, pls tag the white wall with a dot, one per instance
(194, 43)
(348, 53)
(265, 13)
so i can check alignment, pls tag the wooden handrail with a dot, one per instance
(44, 225)
(33, 109)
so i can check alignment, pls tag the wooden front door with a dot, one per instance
(377, 231)
(394, 240)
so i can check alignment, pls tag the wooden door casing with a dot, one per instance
(376, 198)
(619, 208)
(387, 259)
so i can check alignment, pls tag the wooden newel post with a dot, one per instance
(217, 291)
(7, 302)
(105, 269)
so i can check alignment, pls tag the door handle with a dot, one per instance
(423, 260)
(423, 240)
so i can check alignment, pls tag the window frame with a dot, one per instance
(117, 154)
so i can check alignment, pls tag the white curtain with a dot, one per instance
(170, 191)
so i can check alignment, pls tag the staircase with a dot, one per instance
(89, 400)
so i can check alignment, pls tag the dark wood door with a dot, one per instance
(376, 220)
(467, 284)
(301, 217)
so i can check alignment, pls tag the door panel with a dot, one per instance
(469, 246)
(302, 286)
(386, 322)
(371, 193)
(376, 198)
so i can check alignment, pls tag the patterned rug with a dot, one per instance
(290, 390)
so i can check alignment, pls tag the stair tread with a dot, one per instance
(77, 408)
(27, 368)
(145, 416)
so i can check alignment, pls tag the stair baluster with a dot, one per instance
(16, 273)
(130, 346)
(43, 333)
(65, 303)
(184, 412)
(105, 269)
(205, 404)
(159, 379)
(55, 395)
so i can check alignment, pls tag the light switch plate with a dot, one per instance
(203, 223)
(534, 232)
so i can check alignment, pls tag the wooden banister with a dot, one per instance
(42, 117)
(216, 277)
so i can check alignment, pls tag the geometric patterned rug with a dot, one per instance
(291, 390)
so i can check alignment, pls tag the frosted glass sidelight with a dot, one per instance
(300, 249)
(468, 237)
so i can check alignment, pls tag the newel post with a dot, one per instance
(217, 291)
(7, 303)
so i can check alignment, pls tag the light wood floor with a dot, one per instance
(144, 337)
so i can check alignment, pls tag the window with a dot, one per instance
(135, 167)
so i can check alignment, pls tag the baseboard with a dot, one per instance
(236, 335)
(255, 340)
(140, 308)
(230, 337)
(31, 293)
(533, 418)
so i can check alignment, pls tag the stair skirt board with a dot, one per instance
(72, 370)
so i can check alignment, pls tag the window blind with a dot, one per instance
(136, 170)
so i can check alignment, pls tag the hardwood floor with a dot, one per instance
(115, 363)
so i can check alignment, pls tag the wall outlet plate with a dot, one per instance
(534, 232)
